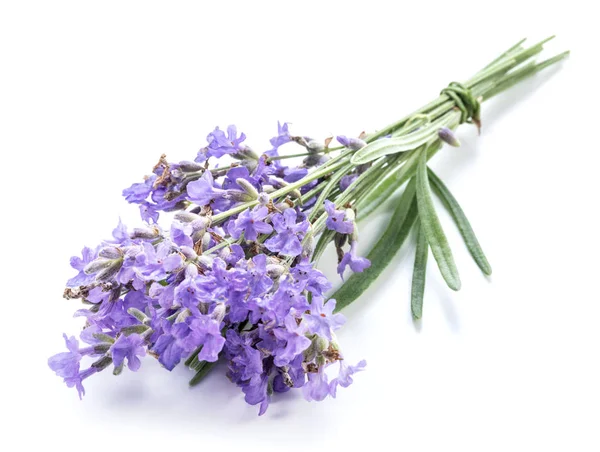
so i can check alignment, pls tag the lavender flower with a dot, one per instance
(129, 347)
(203, 191)
(448, 136)
(220, 144)
(187, 293)
(336, 219)
(321, 319)
(351, 143)
(357, 264)
(289, 233)
(250, 224)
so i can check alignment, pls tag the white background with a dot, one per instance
(91, 93)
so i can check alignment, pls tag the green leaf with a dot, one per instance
(104, 338)
(331, 184)
(391, 182)
(419, 273)
(324, 240)
(433, 229)
(202, 371)
(383, 251)
(461, 221)
(408, 142)
(192, 361)
(134, 329)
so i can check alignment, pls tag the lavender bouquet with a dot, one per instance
(233, 277)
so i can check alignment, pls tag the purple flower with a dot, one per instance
(129, 347)
(313, 280)
(66, 364)
(336, 219)
(148, 212)
(220, 144)
(347, 180)
(283, 135)
(294, 174)
(188, 293)
(259, 281)
(322, 320)
(448, 136)
(202, 191)
(256, 392)
(344, 379)
(79, 263)
(292, 376)
(289, 233)
(181, 234)
(167, 347)
(207, 333)
(295, 341)
(357, 264)
(351, 143)
(250, 223)
(317, 387)
(139, 191)
(245, 361)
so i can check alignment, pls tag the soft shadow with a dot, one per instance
(441, 294)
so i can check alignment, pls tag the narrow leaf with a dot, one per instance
(193, 358)
(383, 251)
(433, 229)
(461, 221)
(134, 329)
(419, 273)
(408, 142)
(391, 182)
(202, 372)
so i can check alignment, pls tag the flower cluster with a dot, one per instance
(231, 278)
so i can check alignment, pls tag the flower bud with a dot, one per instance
(246, 153)
(314, 146)
(101, 349)
(102, 363)
(191, 271)
(104, 338)
(189, 253)
(97, 265)
(186, 217)
(315, 160)
(118, 369)
(134, 329)
(275, 270)
(110, 252)
(448, 136)
(144, 233)
(206, 238)
(247, 187)
(143, 318)
(263, 199)
(308, 244)
(190, 167)
(109, 272)
(239, 196)
(218, 313)
(351, 143)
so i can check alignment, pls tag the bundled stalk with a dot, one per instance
(233, 277)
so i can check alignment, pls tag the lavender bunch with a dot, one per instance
(233, 276)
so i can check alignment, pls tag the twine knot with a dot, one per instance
(464, 100)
